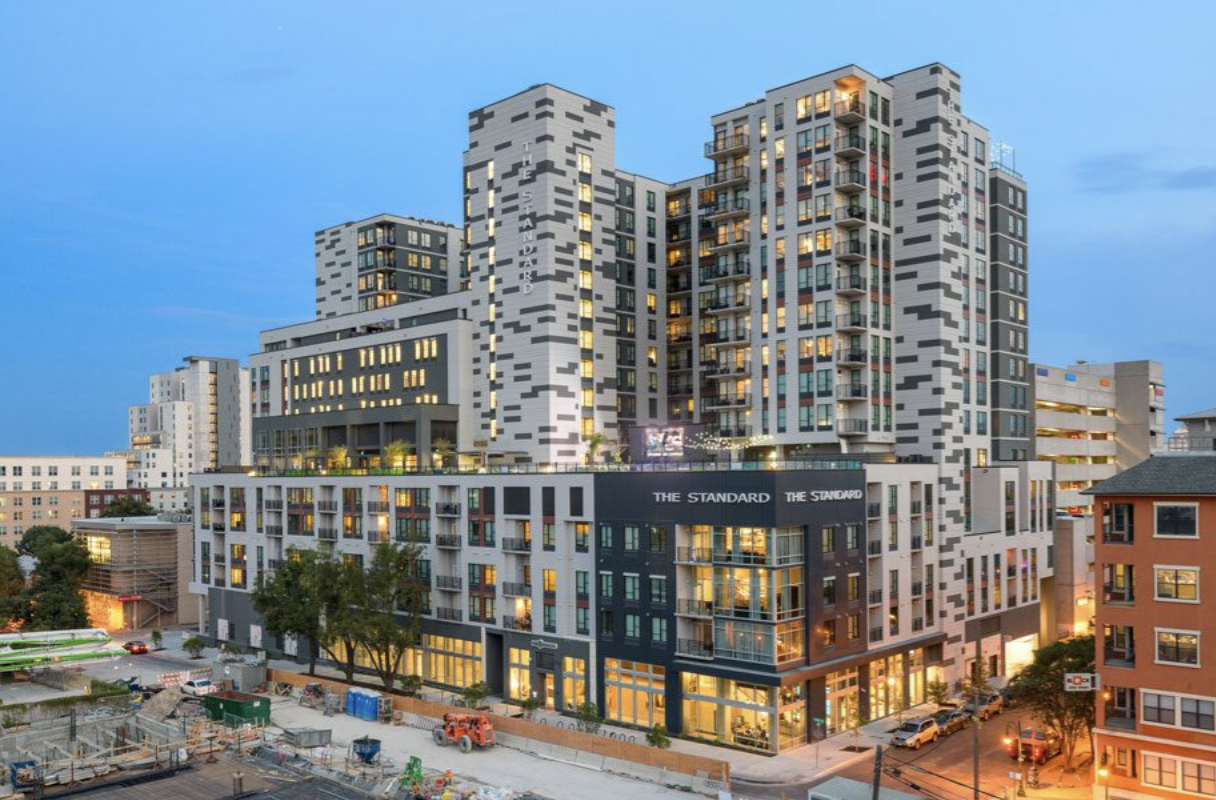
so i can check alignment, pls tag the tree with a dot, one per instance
(657, 737)
(392, 615)
(12, 586)
(1040, 685)
(475, 694)
(194, 645)
(40, 536)
(397, 452)
(343, 600)
(529, 705)
(589, 719)
(937, 692)
(55, 602)
(336, 456)
(291, 600)
(443, 449)
(158, 639)
(977, 681)
(127, 506)
(595, 440)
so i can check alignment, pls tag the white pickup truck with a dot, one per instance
(199, 687)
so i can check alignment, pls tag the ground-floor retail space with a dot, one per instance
(764, 713)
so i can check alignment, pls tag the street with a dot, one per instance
(944, 769)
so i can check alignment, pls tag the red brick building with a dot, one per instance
(1155, 563)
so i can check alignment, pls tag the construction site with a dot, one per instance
(266, 733)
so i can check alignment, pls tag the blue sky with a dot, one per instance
(163, 166)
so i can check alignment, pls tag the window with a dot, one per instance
(605, 584)
(827, 540)
(633, 626)
(658, 539)
(1157, 708)
(1178, 647)
(1197, 713)
(829, 591)
(1159, 771)
(658, 590)
(606, 536)
(631, 587)
(1178, 584)
(658, 629)
(1199, 778)
(1177, 519)
(631, 537)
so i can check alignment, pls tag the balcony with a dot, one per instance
(734, 433)
(449, 614)
(523, 623)
(850, 216)
(874, 547)
(735, 338)
(1119, 657)
(918, 508)
(918, 589)
(217, 503)
(918, 543)
(727, 305)
(274, 563)
(731, 269)
(328, 534)
(727, 176)
(852, 427)
(850, 180)
(694, 648)
(377, 507)
(217, 527)
(853, 356)
(516, 589)
(757, 558)
(851, 145)
(517, 545)
(274, 530)
(1118, 536)
(694, 555)
(1118, 595)
(726, 145)
(448, 541)
(727, 207)
(850, 249)
(694, 608)
(327, 506)
(852, 284)
(274, 505)
(852, 391)
(740, 239)
(681, 209)
(220, 560)
(876, 634)
(448, 583)
(447, 509)
(854, 320)
(876, 597)
(731, 370)
(918, 624)
(850, 110)
(1116, 717)
(728, 400)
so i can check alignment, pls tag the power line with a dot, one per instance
(919, 768)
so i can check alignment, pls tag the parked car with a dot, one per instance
(135, 648)
(950, 720)
(916, 732)
(989, 705)
(199, 687)
(1036, 745)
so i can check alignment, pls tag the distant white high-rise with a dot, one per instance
(196, 418)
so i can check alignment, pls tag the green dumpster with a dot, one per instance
(237, 708)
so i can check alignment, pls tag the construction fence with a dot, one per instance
(521, 733)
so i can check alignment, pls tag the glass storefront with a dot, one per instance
(635, 693)
(450, 661)
(574, 683)
(743, 714)
(841, 700)
(519, 673)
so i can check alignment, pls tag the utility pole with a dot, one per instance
(875, 784)
(975, 724)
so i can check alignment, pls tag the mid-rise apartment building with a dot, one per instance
(383, 261)
(52, 490)
(196, 418)
(822, 306)
(1156, 721)
(1095, 420)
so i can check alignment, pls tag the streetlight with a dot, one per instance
(1016, 741)
(1103, 774)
